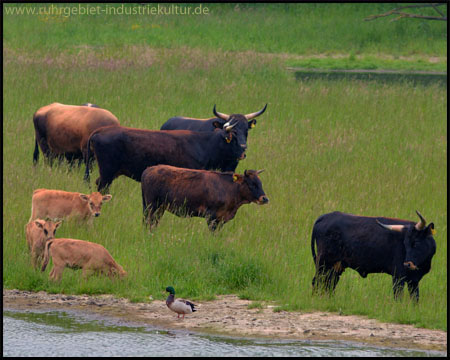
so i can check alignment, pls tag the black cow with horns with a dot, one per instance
(401, 248)
(242, 123)
(128, 151)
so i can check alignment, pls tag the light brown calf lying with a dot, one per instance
(79, 254)
(60, 204)
(38, 232)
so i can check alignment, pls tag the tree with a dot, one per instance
(399, 11)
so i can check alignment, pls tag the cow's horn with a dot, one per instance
(398, 228)
(421, 224)
(229, 127)
(220, 115)
(255, 114)
(260, 171)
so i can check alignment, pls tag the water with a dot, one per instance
(70, 333)
(388, 77)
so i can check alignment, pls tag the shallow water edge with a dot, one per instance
(60, 333)
(229, 315)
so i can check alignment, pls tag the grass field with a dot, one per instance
(364, 148)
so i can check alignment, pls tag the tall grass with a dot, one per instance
(364, 148)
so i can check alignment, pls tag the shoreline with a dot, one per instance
(229, 315)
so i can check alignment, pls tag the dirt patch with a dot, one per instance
(230, 315)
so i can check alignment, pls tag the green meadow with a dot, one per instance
(366, 148)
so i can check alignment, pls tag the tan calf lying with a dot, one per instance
(60, 204)
(79, 254)
(38, 232)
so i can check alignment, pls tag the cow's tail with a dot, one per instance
(46, 254)
(313, 244)
(36, 147)
(36, 152)
(86, 161)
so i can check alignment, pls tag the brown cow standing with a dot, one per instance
(38, 232)
(79, 254)
(60, 204)
(214, 195)
(63, 130)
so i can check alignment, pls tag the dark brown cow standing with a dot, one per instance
(213, 195)
(63, 130)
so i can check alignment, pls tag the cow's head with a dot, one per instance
(231, 148)
(419, 242)
(240, 123)
(253, 184)
(95, 201)
(48, 227)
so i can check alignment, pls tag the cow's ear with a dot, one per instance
(252, 123)
(106, 197)
(228, 137)
(84, 197)
(237, 178)
(430, 229)
(218, 124)
(39, 224)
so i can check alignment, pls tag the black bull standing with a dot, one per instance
(401, 248)
(127, 151)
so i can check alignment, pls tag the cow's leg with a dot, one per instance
(331, 280)
(154, 217)
(152, 212)
(50, 158)
(36, 259)
(60, 159)
(319, 280)
(103, 185)
(112, 272)
(326, 278)
(147, 210)
(83, 158)
(397, 287)
(107, 175)
(107, 172)
(87, 271)
(70, 160)
(214, 223)
(42, 141)
(33, 259)
(316, 282)
(413, 288)
(87, 161)
(56, 272)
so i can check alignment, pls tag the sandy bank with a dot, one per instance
(230, 315)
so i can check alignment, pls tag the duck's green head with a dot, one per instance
(171, 290)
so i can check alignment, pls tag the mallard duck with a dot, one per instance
(179, 306)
